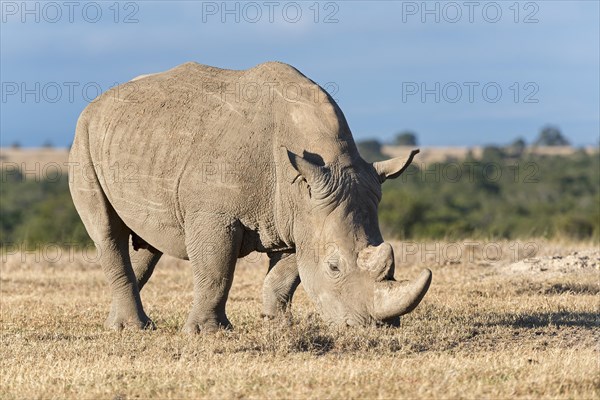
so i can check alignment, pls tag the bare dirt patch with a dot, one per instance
(574, 262)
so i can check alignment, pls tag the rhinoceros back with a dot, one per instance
(198, 139)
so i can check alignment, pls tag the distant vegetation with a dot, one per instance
(406, 138)
(496, 197)
(507, 193)
(371, 150)
(551, 136)
(38, 211)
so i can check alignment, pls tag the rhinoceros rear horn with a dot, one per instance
(394, 167)
(393, 299)
(378, 261)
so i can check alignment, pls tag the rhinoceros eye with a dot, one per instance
(333, 266)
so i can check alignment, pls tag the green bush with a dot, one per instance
(496, 197)
(490, 198)
(38, 211)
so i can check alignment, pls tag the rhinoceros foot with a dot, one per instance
(120, 318)
(205, 325)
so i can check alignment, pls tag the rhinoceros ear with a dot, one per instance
(394, 167)
(315, 175)
(301, 166)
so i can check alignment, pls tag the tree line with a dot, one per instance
(504, 193)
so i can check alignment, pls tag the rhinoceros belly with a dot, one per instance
(140, 182)
(151, 214)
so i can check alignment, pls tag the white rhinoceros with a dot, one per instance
(209, 164)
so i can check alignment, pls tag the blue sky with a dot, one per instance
(375, 57)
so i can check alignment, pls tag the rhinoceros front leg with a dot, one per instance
(213, 245)
(280, 284)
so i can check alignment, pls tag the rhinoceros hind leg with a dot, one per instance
(213, 246)
(111, 237)
(126, 307)
(280, 284)
(143, 262)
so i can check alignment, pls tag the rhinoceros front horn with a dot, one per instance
(392, 298)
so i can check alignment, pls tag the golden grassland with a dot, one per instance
(483, 330)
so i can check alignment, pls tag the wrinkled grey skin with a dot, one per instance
(209, 165)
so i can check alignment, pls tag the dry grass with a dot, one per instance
(480, 332)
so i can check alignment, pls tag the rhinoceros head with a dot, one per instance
(344, 264)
